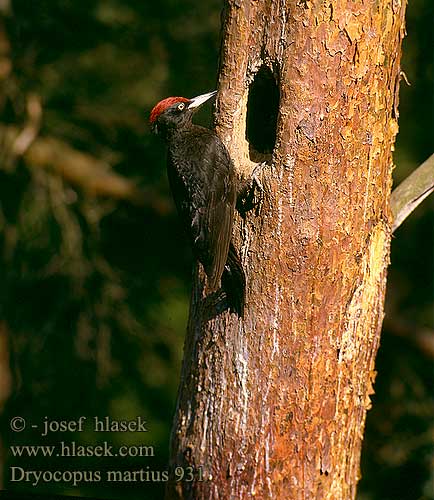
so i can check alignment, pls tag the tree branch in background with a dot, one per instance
(412, 191)
(81, 169)
(31, 130)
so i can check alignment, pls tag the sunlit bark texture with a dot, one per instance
(274, 406)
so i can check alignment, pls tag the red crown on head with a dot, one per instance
(163, 105)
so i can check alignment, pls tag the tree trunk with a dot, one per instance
(274, 406)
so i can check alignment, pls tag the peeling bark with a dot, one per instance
(274, 406)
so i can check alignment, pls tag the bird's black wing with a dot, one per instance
(220, 215)
(202, 180)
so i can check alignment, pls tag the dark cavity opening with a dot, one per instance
(262, 110)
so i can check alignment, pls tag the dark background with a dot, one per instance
(94, 291)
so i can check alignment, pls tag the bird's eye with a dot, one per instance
(181, 106)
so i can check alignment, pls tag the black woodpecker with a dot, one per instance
(204, 187)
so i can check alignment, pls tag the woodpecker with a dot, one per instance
(204, 187)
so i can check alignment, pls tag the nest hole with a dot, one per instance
(262, 112)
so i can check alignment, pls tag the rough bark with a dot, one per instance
(274, 406)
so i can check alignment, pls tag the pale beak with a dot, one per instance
(200, 99)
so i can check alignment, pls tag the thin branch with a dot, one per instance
(412, 191)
